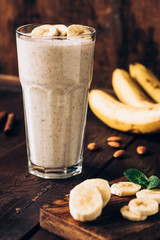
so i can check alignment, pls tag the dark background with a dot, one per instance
(127, 30)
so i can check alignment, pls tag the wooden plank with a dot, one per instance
(55, 218)
(11, 102)
(149, 163)
(42, 234)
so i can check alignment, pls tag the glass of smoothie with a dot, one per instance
(55, 69)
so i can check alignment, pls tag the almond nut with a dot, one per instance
(92, 146)
(119, 153)
(114, 139)
(114, 144)
(141, 150)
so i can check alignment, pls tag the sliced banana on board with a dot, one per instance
(77, 30)
(46, 30)
(85, 203)
(144, 206)
(149, 194)
(123, 189)
(102, 186)
(128, 214)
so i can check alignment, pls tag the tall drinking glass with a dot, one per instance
(55, 75)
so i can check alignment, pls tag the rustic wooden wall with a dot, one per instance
(127, 30)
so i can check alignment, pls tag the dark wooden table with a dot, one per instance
(22, 195)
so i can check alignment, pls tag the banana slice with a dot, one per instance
(45, 30)
(125, 188)
(62, 29)
(77, 30)
(151, 194)
(102, 186)
(144, 206)
(128, 214)
(85, 203)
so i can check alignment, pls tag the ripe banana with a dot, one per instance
(128, 91)
(123, 117)
(77, 30)
(151, 194)
(146, 79)
(128, 214)
(125, 188)
(46, 30)
(85, 203)
(102, 186)
(144, 206)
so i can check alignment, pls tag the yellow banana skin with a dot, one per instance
(146, 79)
(123, 117)
(128, 90)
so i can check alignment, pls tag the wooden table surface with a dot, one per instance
(22, 194)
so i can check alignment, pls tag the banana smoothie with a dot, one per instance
(55, 69)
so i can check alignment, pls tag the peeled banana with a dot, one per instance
(88, 198)
(46, 30)
(143, 206)
(76, 30)
(123, 189)
(132, 216)
(128, 90)
(62, 29)
(85, 203)
(102, 186)
(49, 30)
(147, 80)
(123, 117)
(151, 194)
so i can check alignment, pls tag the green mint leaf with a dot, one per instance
(136, 176)
(153, 182)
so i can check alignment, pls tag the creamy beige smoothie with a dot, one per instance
(55, 75)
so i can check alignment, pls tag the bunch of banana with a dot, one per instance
(138, 110)
(128, 90)
(146, 79)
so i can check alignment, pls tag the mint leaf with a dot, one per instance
(136, 177)
(153, 182)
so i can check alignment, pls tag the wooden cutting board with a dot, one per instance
(55, 218)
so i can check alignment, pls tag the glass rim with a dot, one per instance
(52, 37)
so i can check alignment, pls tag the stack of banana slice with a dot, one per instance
(138, 107)
(88, 198)
(48, 30)
(138, 209)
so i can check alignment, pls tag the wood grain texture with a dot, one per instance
(56, 218)
(127, 31)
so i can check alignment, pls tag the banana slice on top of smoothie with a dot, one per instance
(77, 30)
(62, 29)
(46, 30)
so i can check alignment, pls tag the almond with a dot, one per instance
(92, 146)
(114, 144)
(119, 153)
(114, 139)
(141, 150)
